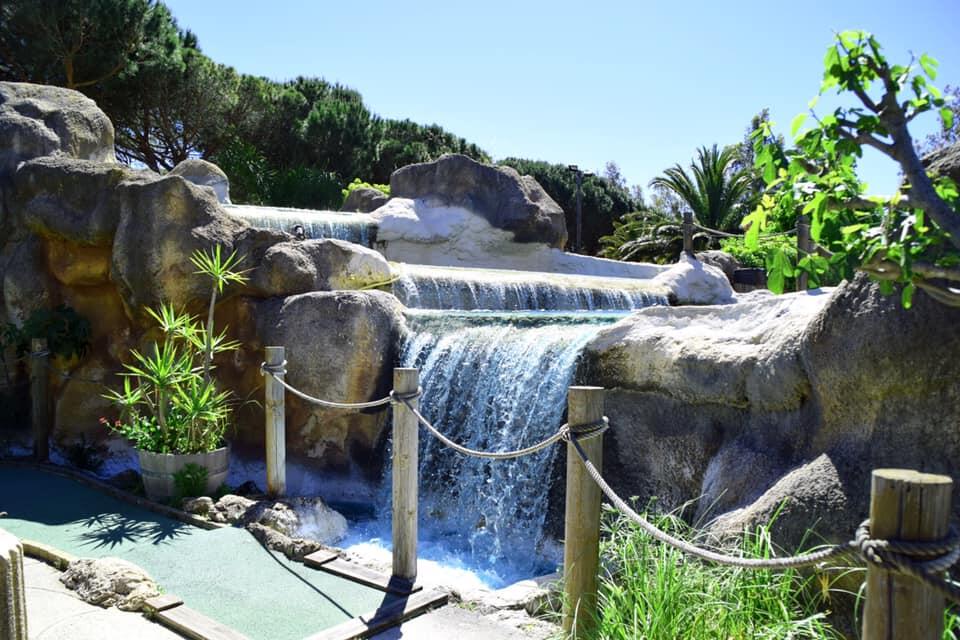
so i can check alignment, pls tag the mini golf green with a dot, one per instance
(223, 573)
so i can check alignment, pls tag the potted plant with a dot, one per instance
(170, 405)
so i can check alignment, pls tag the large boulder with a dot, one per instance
(340, 346)
(161, 224)
(26, 284)
(792, 397)
(289, 268)
(75, 200)
(39, 120)
(500, 195)
(205, 174)
(364, 200)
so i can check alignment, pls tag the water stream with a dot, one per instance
(353, 227)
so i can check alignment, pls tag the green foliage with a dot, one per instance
(647, 236)
(652, 591)
(81, 43)
(67, 332)
(189, 482)
(714, 189)
(169, 402)
(360, 184)
(603, 202)
(911, 238)
(84, 455)
(949, 134)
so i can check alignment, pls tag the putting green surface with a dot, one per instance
(224, 573)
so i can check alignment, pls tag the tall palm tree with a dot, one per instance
(714, 191)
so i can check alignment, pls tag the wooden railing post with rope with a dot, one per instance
(905, 506)
(275, 411)
(581, 539)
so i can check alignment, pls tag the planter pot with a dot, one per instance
(158, 469)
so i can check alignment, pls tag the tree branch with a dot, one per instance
(943, 295)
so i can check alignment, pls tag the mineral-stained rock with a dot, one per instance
(78, 265)
(40, 120)
(201, 506)
(110, 581)
(502, 196)
(162, 223)
(364, 200)
(26, 283)
(77, 201)
(205, 174)
(360, 332)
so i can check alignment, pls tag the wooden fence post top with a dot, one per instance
(912, 476)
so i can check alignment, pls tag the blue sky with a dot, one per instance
(640, 83)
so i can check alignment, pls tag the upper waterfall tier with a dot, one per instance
(307, 223)
(428, 287)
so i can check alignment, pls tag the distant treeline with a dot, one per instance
(293, 143)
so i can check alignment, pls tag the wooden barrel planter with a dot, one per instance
(158, 469)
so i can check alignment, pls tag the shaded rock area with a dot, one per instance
(364, 200)
(109, 582)
(945, 162)
(502, 196)
(77, 228)
(794, 397)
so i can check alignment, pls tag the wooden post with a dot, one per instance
(276, 426)
(905, 505)
(581, 549)
(13, 601)
(40, 398)
(688, 233)
(803, 248)
(405, 469)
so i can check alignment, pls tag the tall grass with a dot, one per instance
(650, 591)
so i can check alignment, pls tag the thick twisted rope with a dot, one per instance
(563, 433)
(804, 560)
(925, 561)
(277, 370)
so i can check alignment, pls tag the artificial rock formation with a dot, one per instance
(795, 396)
(108, 582)
(77, 228)
(500, 195)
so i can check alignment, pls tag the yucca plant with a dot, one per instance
(169, 402)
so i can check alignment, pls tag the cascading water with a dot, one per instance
(459, 288)
(353, 227)
(495, 381)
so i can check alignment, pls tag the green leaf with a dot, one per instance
(947, 116)
(779, 268)
(906, 296)
(929, 67)
(796, 123)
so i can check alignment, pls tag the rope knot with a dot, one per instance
(584, 431)
(397, 398)
(273, 369)
(908, 556)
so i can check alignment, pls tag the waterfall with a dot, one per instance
(353, 227)
(460, 288)
(492, 381)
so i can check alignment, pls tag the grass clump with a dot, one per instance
(650, 591)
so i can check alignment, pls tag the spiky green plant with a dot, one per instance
(712, 190)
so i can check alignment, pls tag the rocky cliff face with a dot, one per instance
(80, 229)
(796, 396)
